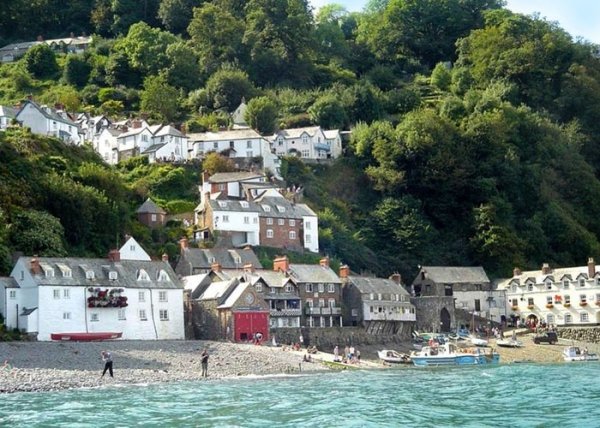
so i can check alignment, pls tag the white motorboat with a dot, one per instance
(477, 341)
(448, 354)
(394, 357)
(574, 353)
(509, 343)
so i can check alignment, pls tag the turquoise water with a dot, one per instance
(516, 395)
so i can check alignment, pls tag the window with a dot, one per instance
(308, 239)
(162, 296)
(66, 315)
(231, 144)
(246, 220)
(112, 275)
(584, 317)
(292, 222)
(567, 299)
(66, 293)
(321, 288)
(121, 315)
(222, 188)
(309, 288)
(12, 294)
(566, 283)
(292, 234)
(581, 282)
(288, 288)
(305, 153)
(321, 303)
(583, 299)
(530, 287)
(142, 296)
(530, 301)
(568, 318)
(258, 287)
(331, 288)
(244, 204)
(549, 285)
(269, 233)
(269, 220)
(548, 300)
(153, 217)
(305, 138)
(225, 219)
(249, 154)
(255, 220)
(513, 288)
(266, 208)
(248, 144)
(515, 302)
(94, 317)
(163, 315)
(309, 303)
(56, 293)
(215, 146)
(280, 222)
(222, 204)
(307, 225)
(331, 303)
(550, 319)
(280, 209)
(144, 138)
(89, 274)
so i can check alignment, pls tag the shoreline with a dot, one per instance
(55, 366)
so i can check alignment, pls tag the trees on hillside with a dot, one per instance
(261, 114)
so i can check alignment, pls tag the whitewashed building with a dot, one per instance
(333, 138)
(306, 143)
(47, 121)
(143, 300)
(558, 296)
(107, 146)
(168, 144)
(134, 141)
(7, 115)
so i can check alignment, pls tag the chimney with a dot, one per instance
(59, 106)
(324, 261)
(545, 269)
(216, 267)
(397, 278)
(136, 124)
(248, 268)
(281, 264)
(205, 177)
(30, 97)
(206, 198)
(34, 265)
(517, 272)
(591, 268)
(114, 255)
(344, 271)
(183, 244)
(40, 38)
(165, 257)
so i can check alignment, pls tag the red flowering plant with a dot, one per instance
(106, 298)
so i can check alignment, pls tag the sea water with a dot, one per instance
(510, 395)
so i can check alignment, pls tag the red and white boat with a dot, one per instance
(85, 337)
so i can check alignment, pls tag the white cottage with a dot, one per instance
(7, 115)
(47, 121)
(143, 300)
(307, 143)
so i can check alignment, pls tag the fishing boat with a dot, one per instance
(394, 357)
(85, 337)
(509, 343)
(573, 353)
(477, 341)
(448, 354)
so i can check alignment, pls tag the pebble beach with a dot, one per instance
(52, 366)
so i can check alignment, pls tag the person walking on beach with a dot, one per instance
(108, 363)
(204, 362)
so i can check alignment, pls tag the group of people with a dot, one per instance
(351, 355)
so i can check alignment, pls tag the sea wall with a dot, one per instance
(327, 338)
(584, 334)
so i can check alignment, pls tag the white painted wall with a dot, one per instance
(32, 118)
(392, 311)
(132, 250)
(311, 233)
(236, 223)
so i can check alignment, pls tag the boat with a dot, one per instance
(448, 354)
(394, 357)
(573, 353)
(477, 341)
(509, 343)
(85, 337)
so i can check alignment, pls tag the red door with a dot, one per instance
(247, 324)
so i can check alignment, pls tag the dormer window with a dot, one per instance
(244, 204)
(280, 209)
(112, 275)
(548, 285)
(223, 204)
(529, 286)
(258, 287)
(266, 208)
(163, 276)
(65, 271)
(89, 274)
(581, 282)
(565, 283)
(48, 270)
(211, 260)
(143, 275)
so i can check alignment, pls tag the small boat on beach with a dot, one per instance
(574, 353)
(477, 341)
(85, 337)
(394, 357)
(509, 343)
(448, 354)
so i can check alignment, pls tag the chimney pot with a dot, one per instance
(34, 265)
(324, 262)
(248, 268)
(216, 267)
(517, 272)
(344, 271)
(281, 264)
(165, 257)
(183, 244)
(114, 255)
(545, 269)
(396, 277)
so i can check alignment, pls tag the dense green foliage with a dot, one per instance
(475, 130)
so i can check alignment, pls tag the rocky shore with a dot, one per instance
(50, 366)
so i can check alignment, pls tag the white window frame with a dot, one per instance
(568, 318)
(280, 221)
(309, 287)
(94, 317)
(331, 287)
(321, 287)
(258, 287)
(142, 315)
(292, 222)
(582, 282)
(163, 315)
(292, 234)
(269, 233)
(12, 294)
(56, 293)
(121, 314)
(66, 293)
(66, 315)
(141, 296)
(269, 220)
(584, 317)
(162, 296)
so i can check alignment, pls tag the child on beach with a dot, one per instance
(108, 363)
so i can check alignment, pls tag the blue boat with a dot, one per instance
(448, 354)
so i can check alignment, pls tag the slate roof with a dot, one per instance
(456, 274)
(128, 272)
(133, 131)
(150, 207)
(228, 177)
(167, 130)
(8, 111)
(278, 207)
(270, 277)
(233, 297)
(8, 282)
(367, 285)
(313, 273)
(559, 274)
(154, 148)
(200, 258)
(193, 283)
(232, 134)
(218, 289)
(297, 132)
(331, 133)
(48, 113)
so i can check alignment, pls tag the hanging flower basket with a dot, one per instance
(549, 305)
(530, 306)
(515, 308)
(582, 303)
(106, 298)
(567, 305)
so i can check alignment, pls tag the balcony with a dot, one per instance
(313, 311)
(285, 312)
(336, 311)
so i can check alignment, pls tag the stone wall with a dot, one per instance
(327, 338)
(584, 334)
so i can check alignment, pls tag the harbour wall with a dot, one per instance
(584, 334)
(329, 337)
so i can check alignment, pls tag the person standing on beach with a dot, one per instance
(204, 362)
(108, 363)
